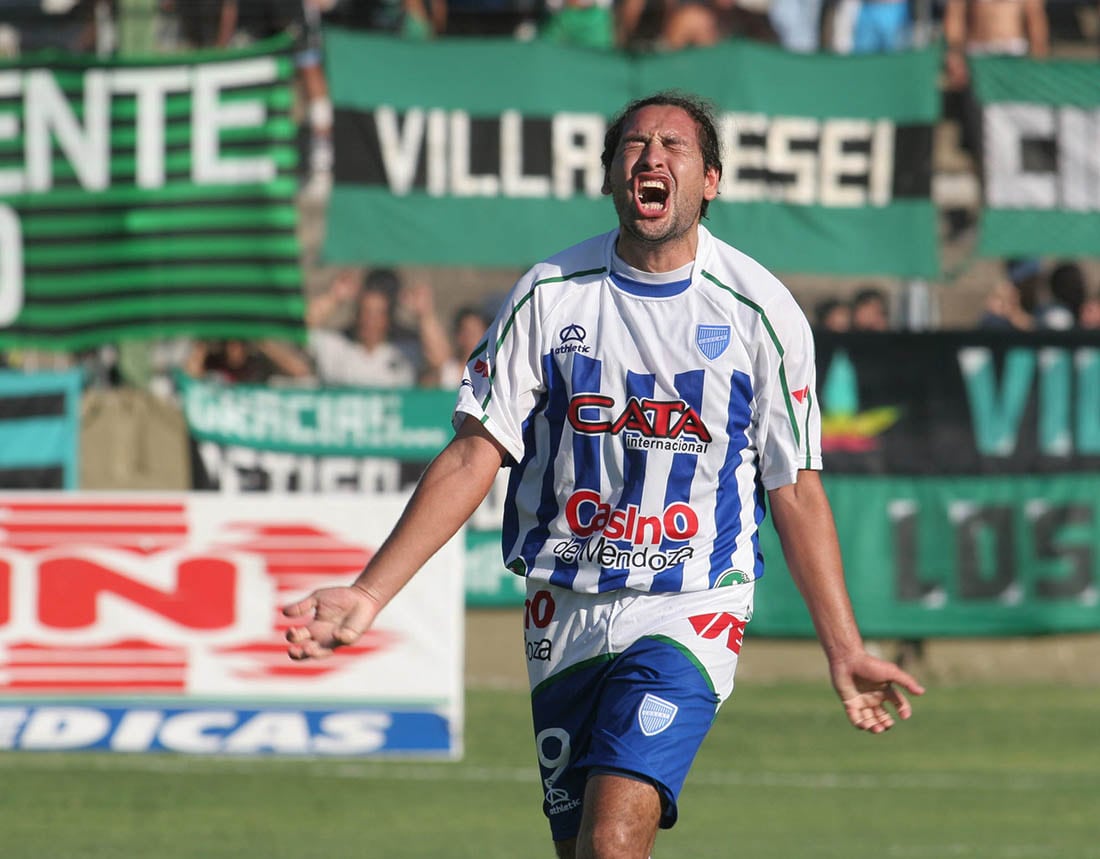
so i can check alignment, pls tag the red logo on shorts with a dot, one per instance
(713, 625)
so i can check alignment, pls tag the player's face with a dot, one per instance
(657, 177)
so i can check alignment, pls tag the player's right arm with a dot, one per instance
(451, 488)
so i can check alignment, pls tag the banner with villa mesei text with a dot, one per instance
(487, 152)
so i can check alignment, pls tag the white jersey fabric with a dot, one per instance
(645, 420)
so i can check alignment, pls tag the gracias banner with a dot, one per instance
(1041, 140)
(488, 152)
(141, 199)
(152, 623)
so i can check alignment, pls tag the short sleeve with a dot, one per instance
(503, 380)
(791, 419)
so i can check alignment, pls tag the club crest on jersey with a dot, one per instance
(655, 714)
(712, 340)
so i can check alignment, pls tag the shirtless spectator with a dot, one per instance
(992, 27)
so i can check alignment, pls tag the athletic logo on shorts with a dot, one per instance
(655, 714)
(712, 340)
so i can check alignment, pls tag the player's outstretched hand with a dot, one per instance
(866, 685)
(326, 619)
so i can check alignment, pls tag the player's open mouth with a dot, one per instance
(651, 196)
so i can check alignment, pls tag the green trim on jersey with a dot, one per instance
(809, 409)
(572, 669)
(691, 657)
(512, 317)
(748, 302)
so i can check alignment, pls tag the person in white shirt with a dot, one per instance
(364, 355)
(649, 389)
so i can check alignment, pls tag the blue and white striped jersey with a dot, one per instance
(645, 421)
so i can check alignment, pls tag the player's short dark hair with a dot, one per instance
(699, 109)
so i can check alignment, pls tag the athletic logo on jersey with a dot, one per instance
(481, 367)
(655, 714)
(801, 395)
(572, 340)
(712, 340)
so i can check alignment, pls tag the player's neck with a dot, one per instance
(657, 256)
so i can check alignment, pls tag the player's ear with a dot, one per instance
(711, 177)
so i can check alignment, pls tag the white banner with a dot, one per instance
(152, 622)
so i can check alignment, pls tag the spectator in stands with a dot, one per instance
(413, 19)
(832, 314)
(870, 310)
(468, 327)
(1067, 296)
(1090, 312)
(992, 27)
(797, 23)
(1003, 310)
(870, 26)
(372, 351)
(975, 28)
(584, 23)
(237, 361)
(69, 25)
(1026, 274)
(672, 25)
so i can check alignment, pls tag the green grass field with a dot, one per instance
(980, 771)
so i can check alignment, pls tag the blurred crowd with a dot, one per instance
(369, 327)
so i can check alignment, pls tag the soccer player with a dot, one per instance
(649, 388)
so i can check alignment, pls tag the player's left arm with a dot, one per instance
(803, 519)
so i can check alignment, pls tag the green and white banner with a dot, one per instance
(488, 152)
(1041, 141)
(954, 556)
(148, 198)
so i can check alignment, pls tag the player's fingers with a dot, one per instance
(906, 680)
(867, 713)
(297, 634)
(308, 650)
(900, 702)
(303, 607)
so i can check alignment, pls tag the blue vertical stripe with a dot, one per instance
(727, 503)
(586, 376)
(689, 387)
(557, 404)
(639, 386)
(509, 527)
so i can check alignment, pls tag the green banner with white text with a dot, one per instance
(147, 198)
(1041, 146)
(487, 152)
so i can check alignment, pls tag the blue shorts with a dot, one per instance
(627, 682)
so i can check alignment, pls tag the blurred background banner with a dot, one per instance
(40, 429)
(151, 622)
(827, 164)
(973, 402)
(1040, 125)
(929, 557)
(133, 192)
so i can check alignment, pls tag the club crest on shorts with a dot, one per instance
(712, 340)
(655, 714)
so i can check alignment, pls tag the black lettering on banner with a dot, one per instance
(992, 528)
(1045, 528)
